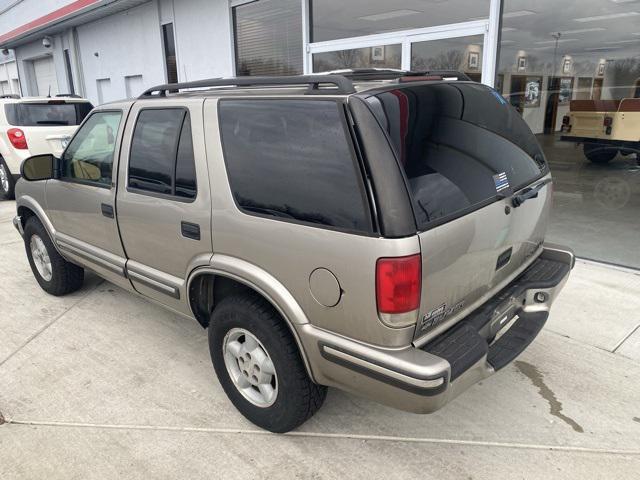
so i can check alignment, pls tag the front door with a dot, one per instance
(164, 206)
(81, 204)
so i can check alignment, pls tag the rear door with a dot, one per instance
(47, 124)
(163, 204)
(464, 152)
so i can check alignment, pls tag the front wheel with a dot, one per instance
(55, 275)
(598, 153)
(259, 366)
(7, 184)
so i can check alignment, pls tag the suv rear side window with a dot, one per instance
(55, 112)
(291, 159)
(161, 159)
(460, 144)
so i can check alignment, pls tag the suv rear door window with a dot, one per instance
(55, 112)
(291, 159)
(161, 159)
(460, 144)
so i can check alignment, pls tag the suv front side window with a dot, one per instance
(89, 156)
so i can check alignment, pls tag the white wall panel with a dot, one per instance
(122, 45)
(203, 34)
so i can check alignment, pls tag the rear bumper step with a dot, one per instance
(468, 342)
(424, 379)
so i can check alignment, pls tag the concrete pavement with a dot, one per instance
(103, 384)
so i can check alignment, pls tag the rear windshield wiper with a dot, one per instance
(527, 193)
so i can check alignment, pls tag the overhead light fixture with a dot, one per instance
(388, 15)
(553, 42)
(597, 49)
(508, 29)
(581, 30)
(519, 13)
(606, 17)
(623, 1)
(617, 42)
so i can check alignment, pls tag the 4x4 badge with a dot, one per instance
(435, 316)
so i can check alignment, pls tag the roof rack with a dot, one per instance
(68, 95)
(343, 85)
(10, 95)
(393, 74)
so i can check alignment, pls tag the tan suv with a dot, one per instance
(382, 233)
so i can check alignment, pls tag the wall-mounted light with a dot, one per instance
(47, 42)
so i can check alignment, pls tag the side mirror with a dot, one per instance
(39, 167)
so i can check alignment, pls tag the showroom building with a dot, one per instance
(540, 55)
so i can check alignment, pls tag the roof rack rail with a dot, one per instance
(10, 95)
(344, 86)
(393, 74)
(68, 95)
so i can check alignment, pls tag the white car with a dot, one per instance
(35, 125)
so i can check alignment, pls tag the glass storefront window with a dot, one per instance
(268, 37)
(463, 54)
(383, 56)
(332, 20)
(572, 70)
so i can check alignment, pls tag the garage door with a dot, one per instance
(45, 73)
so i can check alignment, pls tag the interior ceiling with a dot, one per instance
(528, 25)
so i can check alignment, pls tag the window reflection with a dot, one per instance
(573, 72)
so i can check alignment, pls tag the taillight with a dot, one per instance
(608, 121)
(566, 120)
(17, 138)
(398, 284)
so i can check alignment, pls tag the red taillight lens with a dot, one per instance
(17, 138)
(608, 121)
(398, 282)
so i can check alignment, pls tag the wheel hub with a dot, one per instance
(250, 367)
(41, 258)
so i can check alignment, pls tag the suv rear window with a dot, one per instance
(460, 144)
(46, 113)
(291, 159)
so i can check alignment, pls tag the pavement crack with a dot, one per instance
(2, 421)
(635, 419)
(555, 405)
(49, 324)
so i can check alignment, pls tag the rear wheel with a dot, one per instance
(599, 153)
(259, 366)
(54, 274)
(7, 184)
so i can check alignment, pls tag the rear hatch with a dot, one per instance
(47, 124)
(464, 153)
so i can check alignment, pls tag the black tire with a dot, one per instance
(7, 187)
(298, 398)
(65, 276)
(598, 153)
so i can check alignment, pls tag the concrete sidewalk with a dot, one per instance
(102, 384)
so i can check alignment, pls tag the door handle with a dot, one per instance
(107, 210)
(190, 230)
